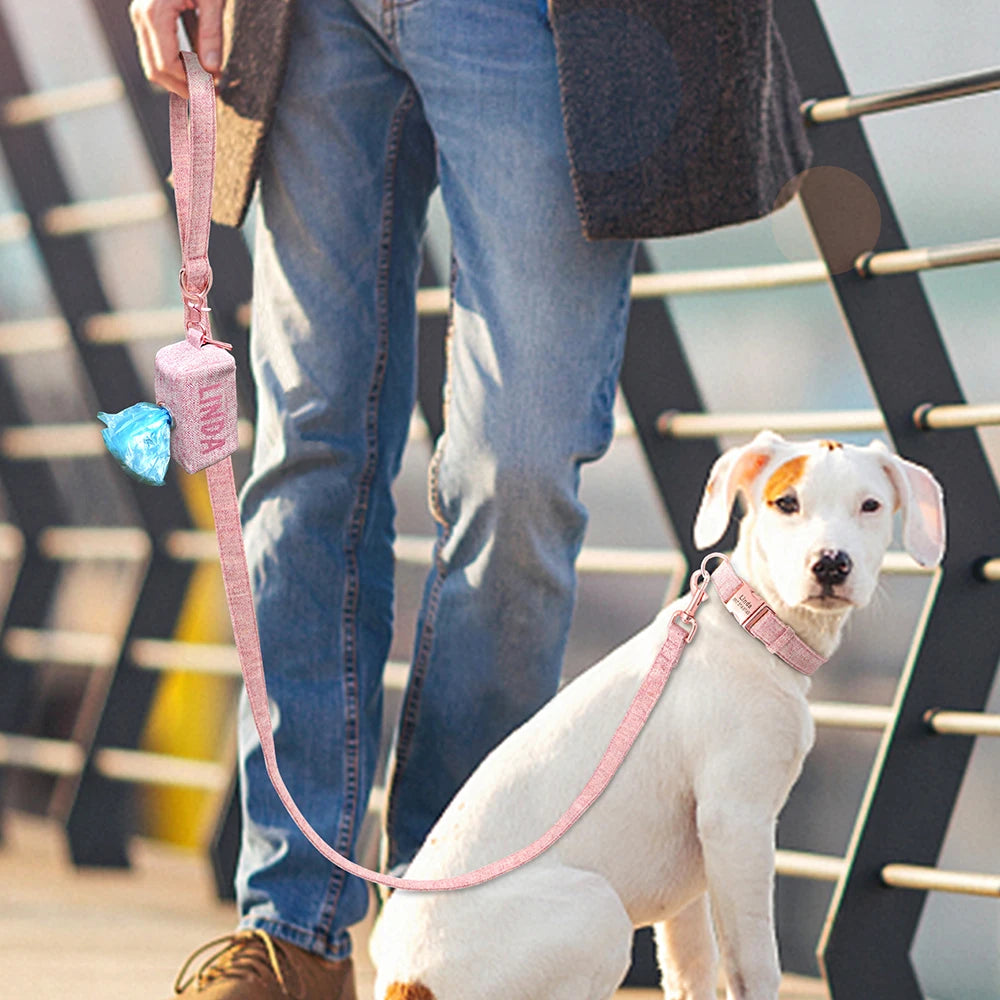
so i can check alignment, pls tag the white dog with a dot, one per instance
(684, 834)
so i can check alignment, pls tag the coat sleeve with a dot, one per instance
(256, 50)
(680, 115)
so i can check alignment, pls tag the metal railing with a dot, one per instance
(837, 109)
(888, 866)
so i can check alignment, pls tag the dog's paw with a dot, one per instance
(408, 991)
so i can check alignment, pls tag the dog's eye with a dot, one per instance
(871, 505)
(788, 504)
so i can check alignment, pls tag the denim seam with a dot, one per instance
(388, 19)
(345, 834)
(414, 687)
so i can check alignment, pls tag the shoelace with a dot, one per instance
(239, 954)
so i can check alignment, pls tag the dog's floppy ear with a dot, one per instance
(921, 501)
(733, 471)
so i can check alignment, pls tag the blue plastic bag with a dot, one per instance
(139, 438)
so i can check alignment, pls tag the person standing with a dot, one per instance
(559, 135)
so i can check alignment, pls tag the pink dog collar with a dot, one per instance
(757, 617)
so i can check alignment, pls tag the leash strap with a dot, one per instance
(192, 144)
(192, 155)
(222, 490)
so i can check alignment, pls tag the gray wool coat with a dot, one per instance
(680, 115)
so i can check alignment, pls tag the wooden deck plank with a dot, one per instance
(122, 935)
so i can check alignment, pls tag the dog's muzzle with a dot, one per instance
(832, 569)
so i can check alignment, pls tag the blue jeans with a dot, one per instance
(382, 102)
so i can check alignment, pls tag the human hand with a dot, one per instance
(155, 26)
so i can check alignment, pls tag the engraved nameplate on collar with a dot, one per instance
(746, 606)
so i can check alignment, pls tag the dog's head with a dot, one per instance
(819, 517)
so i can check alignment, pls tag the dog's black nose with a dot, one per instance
(832, 568)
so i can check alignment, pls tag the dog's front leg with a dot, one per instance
(687, 954)
(738, 850)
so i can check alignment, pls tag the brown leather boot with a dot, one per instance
(252, 965)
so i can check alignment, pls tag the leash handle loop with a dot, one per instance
(192, 154)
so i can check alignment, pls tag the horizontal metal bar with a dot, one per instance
(889, 262)
(850, 715)
(417, 550)
(397, 675)
(50, 333)
(901, 876)
(104, 213)
(143, 767)
(957, 416)
(671, 423)
(11, 543)
(377, 801)
(63, 757)
(199, 657)
(626, 561)
(31, 108)
(791, 864)
(51, 441)
(134, 324)
(896, 563)
(963, 723)
(834, 109)
(433, 301)
(903, 564)
(414, 550)
(66, 646)
(221, 659)
(191, 546)
(36, 753)
(729, 279)
(802, 864)
(758, 277)
(112, 544)
(244, 434)
(592, 559)
(14, 226)
(624, 428)
(990, 570)
(80, 440)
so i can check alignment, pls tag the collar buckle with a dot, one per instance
(747, 606)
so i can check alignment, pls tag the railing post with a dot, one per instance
(916, 776)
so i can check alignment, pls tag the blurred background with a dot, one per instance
(939, 165)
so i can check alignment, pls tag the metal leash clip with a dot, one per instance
(699, 592)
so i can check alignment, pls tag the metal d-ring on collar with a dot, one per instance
(752, 613)
(699, 592)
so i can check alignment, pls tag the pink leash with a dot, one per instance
(200, 396)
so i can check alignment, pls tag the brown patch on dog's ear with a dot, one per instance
(784, 478)
(408, 991)
(830, 445)
(732, 473)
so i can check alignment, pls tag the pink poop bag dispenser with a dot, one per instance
(197, 385)
(195, 379)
